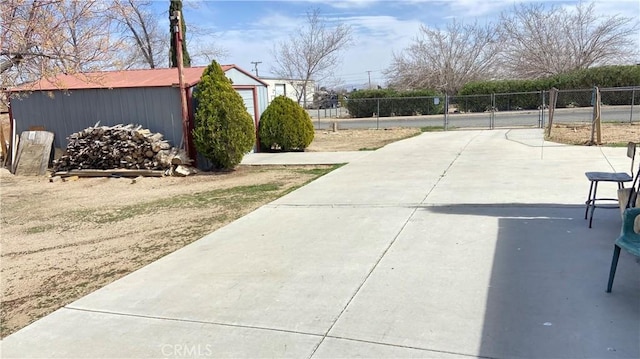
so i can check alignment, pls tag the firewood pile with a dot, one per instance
(119, 147)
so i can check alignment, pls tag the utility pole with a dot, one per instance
(255, 66)
(186, 134)
(369, 73)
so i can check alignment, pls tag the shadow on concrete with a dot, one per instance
(546, 297)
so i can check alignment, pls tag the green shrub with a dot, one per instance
(582, 81)
(388, 102)
(285, 126)
(223, 130)
(523, 94)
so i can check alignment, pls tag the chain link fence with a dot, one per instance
(499, 110)
(618, 103)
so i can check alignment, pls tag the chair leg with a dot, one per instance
(614, 265)
(588, 202)
(593, 202)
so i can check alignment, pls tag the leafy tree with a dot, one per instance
(285, 125)
(224, 130)
(176, 5)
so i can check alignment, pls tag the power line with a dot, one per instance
(359, 73)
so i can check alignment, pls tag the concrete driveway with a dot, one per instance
(446, 245)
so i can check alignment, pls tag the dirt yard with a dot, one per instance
(356, 140)
(62, 240)
(580, 134)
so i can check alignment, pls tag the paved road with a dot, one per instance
(483, 120)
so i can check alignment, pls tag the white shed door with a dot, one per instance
(247, 97)
(280, 90)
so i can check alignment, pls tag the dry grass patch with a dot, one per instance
(358, 140)
(613, 134)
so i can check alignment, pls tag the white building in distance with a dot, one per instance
(291, 88)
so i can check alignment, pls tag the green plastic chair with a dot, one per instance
(629, 240)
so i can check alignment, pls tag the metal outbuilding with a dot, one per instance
(150, 98)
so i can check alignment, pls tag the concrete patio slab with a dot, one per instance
(343, 348)
(498, 284)
(260, 272)
(123, 336)
(401, 173)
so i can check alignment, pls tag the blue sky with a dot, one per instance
(248, 30)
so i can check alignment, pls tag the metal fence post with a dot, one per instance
(446, 112)
(492, 117)
(378, 116)
(540, 116)
(541, 122)
(633, 96)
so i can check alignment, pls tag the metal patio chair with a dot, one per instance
(596, 177)
(629, 240)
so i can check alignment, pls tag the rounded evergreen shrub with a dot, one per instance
(285, 126)
(223, 130)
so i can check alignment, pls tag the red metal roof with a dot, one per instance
(121, 79)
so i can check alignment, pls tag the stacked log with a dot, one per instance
(119, 147)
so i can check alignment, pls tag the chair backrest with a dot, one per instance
(631, 153)
(633, 197)
(628, 227)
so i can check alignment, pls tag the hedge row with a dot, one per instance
(388, 102)
(580, 82)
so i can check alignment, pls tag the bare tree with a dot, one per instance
(201, 41)
(310, 53)
(147, 44)
(446, 59)
(543, 42)
(23, 25)
(138, 25)
(83, 40)
(41, 38)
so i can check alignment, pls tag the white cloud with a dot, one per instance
(375, 38)
(477, 9)
(346, 4)
(279, 22)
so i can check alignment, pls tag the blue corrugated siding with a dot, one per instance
(239, 78)
(155, 108)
